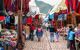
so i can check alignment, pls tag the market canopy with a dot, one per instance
(39, 7)
(59, 6)
(46, 6)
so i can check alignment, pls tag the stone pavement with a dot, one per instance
(45, 44)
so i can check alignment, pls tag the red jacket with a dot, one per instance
(32, 27)
(29, 20)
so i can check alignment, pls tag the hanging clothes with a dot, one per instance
(37, 16)
(26, 6)
(7, 20)
(78, 7)
(61, 17)
(17, 4)
(71, 5)
(12, 20)
(51, 16)
(16, 20)
(7, 4)
(12, 7)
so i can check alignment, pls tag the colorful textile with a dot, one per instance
(51, 16)
(7, 4)
(26, 6)
(60, 17)
(7, 20)
(78, 6)
(14, 5)
(37, 16)
(32, 28)
(71, 5)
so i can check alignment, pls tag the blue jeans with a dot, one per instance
(51, 36)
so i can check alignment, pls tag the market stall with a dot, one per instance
(8, 39)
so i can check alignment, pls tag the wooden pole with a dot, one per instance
(20, 27)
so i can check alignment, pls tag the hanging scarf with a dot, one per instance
(71, 5)
(78, 7)
(26, 5)
(7, 4)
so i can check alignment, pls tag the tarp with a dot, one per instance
(39, 6)
(46, 5)
(59, 6)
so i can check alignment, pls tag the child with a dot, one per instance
(71, 38)
(39, 33)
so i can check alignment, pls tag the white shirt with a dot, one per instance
(16, 20)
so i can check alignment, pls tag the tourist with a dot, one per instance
(51, 29)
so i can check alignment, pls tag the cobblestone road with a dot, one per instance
(45, 44)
